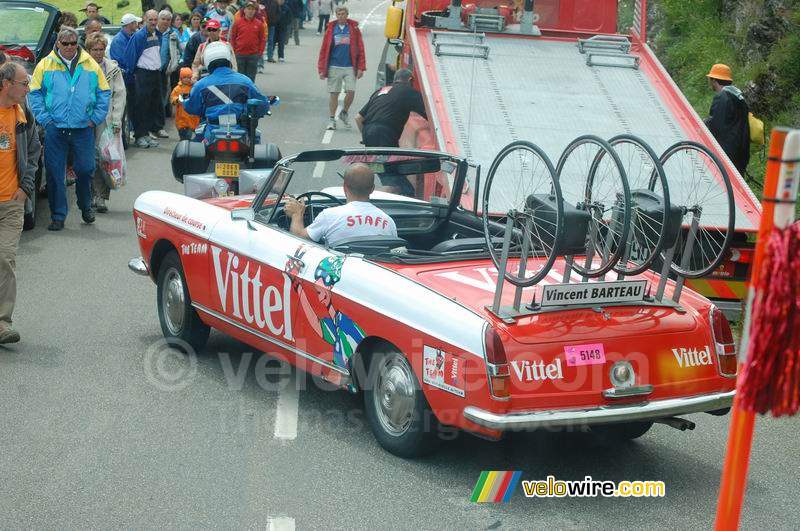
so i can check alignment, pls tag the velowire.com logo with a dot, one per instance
(495, 486)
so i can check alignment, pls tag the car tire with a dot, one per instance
(626, 431)
(395, 406)
(179, 320)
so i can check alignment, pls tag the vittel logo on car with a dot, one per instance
(247, 299)
(531, 371)
(692, 357)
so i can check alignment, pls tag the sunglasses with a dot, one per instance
(213, 30)
(70, 43)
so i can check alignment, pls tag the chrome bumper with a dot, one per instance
(138, 266)
(640, 411)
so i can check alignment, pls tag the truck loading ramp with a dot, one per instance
(542, 90)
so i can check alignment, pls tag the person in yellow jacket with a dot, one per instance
(69, 98)
(185, 123)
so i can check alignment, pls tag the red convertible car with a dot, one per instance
(420, 325)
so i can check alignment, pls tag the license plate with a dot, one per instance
(226, 169)
(590, 354)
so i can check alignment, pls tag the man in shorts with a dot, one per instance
(341, 61)
(358, 217)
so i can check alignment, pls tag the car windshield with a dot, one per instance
(21, 24)
(399, 176)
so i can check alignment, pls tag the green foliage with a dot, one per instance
(760, 40)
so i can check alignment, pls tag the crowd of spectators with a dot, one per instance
(151, 61)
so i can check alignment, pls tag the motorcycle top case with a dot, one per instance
(189, 158)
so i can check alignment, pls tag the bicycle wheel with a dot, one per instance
(521, 186)
(592, 179)
(649, 203)
(700, 185)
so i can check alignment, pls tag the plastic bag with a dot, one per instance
(757, 135)
(112, 158)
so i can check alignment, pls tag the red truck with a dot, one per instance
(547, 72)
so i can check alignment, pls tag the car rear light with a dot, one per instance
(743, 255)
(234, 146)
(723, 343)
(497, 365)
(221, 145)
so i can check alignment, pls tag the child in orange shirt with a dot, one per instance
(185, 123)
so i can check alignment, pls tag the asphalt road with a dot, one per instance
(99, 428)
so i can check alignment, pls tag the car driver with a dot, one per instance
(358, 217)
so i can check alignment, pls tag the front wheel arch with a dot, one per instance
(160, 250)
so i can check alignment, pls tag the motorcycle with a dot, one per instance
(229, 160)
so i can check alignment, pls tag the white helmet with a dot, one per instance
(215, 51)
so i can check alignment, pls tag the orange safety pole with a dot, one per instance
(740, 436)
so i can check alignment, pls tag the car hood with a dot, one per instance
(229, 203)
(472, 284)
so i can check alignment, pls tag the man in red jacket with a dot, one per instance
(248, 37)
(341, 61)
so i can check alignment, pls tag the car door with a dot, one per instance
(325, 332)
(250, 292)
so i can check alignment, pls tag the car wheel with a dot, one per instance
(622, 432)
(396, 408)
(175, 313)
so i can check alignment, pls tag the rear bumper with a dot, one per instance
(641, 411)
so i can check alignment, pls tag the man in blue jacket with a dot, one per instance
(223, 91)
(69, 97)
(130, 24)
(143, 67)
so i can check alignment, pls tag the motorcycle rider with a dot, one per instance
(223, 91)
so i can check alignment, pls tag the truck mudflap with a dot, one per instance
(636, 412)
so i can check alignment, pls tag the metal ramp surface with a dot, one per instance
(543, 91)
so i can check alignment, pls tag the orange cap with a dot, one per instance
(720, 71)
(185, 72)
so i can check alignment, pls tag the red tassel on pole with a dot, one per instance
(771, 378)
(780, 195)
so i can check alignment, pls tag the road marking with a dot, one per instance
(280, 523)
(373, 11)
(326, 138)
(319, 168)
(286, 419)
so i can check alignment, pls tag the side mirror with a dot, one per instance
(245, 213)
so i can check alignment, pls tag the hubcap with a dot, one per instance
(394, 394)
(172, 301)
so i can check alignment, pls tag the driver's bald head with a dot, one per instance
(360, 179)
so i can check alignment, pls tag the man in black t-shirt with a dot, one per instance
(382, 119)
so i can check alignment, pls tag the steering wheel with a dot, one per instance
(310, 205)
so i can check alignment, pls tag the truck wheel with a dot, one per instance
(396, 408)
(622, 432)
(175, 313)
